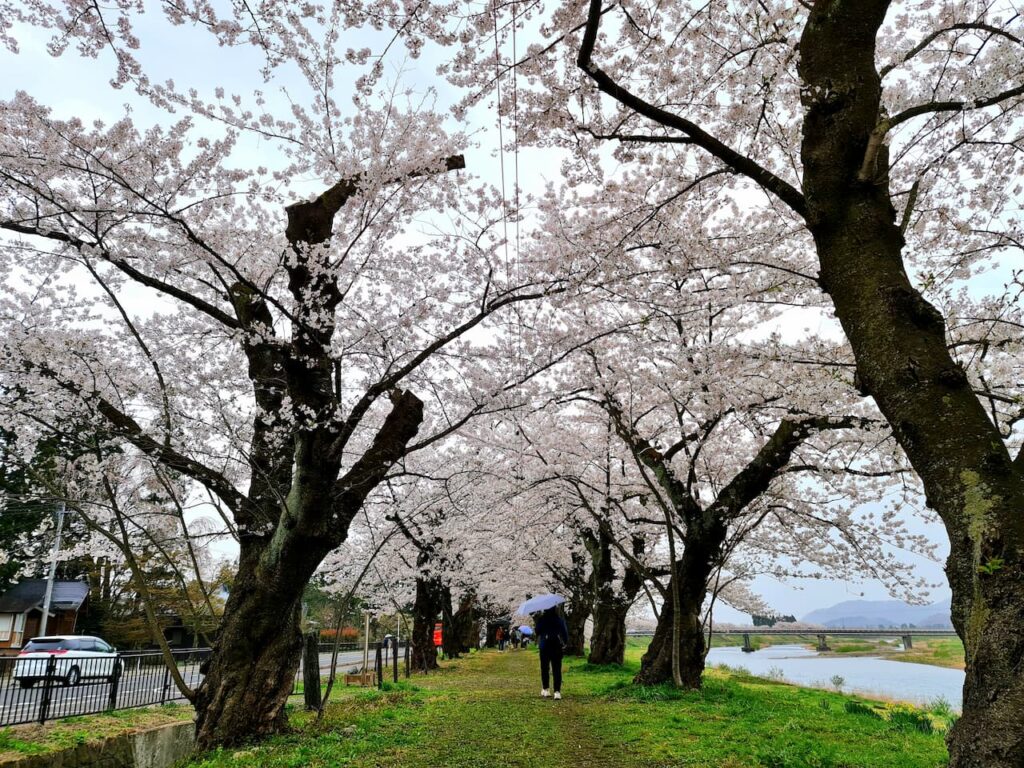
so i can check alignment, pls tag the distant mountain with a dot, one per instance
(881, 613)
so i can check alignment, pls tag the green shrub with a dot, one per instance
(907, 719)
(853, 707)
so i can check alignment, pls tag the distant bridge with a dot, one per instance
(822, 635)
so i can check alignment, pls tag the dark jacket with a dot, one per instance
(551, 628)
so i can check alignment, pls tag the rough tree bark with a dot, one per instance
(608, 641)
(300, 503)
(451, 643)
(467, 622)
(426, 608)
(578, 587)
(252, 669)
(900, 346)
(458, 631)
(701, 552)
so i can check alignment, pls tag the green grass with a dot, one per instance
(486, 709)
(70, 732)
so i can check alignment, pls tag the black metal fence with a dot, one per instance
(62, 685)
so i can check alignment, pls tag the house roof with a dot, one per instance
(29, 594)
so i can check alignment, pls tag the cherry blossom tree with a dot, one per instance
(720, 417)
(884, 139)
(280, 334)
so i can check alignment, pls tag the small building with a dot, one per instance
(21, 611)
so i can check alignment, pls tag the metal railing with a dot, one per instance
(63, 685)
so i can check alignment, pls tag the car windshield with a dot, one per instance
(47, 644)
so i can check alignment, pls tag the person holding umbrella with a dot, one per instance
(552, 637)
(527, 632)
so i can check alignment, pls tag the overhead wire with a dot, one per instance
(513, 262)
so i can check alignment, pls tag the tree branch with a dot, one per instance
(782, 189)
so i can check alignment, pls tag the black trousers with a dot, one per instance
(551, 663)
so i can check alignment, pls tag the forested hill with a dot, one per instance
(881, 613)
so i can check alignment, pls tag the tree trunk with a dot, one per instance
(466, 623)
(900, 346)
(701, 548)
(450, 641)
(252, 670)
(608, 643)
(656, 664)
(576, 615)
(428, 604)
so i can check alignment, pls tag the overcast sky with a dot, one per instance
(73, 86)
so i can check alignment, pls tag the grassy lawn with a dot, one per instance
(486, 709)
(937, 651)
(19, 740)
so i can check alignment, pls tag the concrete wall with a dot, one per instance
(159, 747)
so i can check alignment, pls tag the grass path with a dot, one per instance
(486, 710)
(497, 711)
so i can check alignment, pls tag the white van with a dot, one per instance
(78, 657)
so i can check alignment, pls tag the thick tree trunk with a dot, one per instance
(451, 643)
(428, 604)
(702, 545)
(467, 625)
(578, 586)
(656, 664)
(608, 643)
(252, 670)
(900, 346)
(576, 615)
(465, 620)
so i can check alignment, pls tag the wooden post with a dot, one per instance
(311, 671)
(379, 668)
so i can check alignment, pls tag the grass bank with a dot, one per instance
(486, 709)
(20, 740)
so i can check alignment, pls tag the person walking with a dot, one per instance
(552, 637)
(499, 636)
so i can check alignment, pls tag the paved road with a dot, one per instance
(139, 686)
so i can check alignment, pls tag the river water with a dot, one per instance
(916, 683)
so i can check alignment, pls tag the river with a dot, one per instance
(916, 683)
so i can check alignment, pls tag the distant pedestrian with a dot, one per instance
(499, 635)
(552, 638)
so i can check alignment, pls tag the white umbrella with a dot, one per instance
(539, 603)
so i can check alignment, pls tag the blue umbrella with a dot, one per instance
(539, 603)
(526, 630)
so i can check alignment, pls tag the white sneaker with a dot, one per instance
(558, 695)
(544, 693)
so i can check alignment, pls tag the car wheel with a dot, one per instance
(26, 682)
(73, 676)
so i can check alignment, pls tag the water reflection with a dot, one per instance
(917, 683)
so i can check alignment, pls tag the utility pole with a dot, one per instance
(53, 570)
